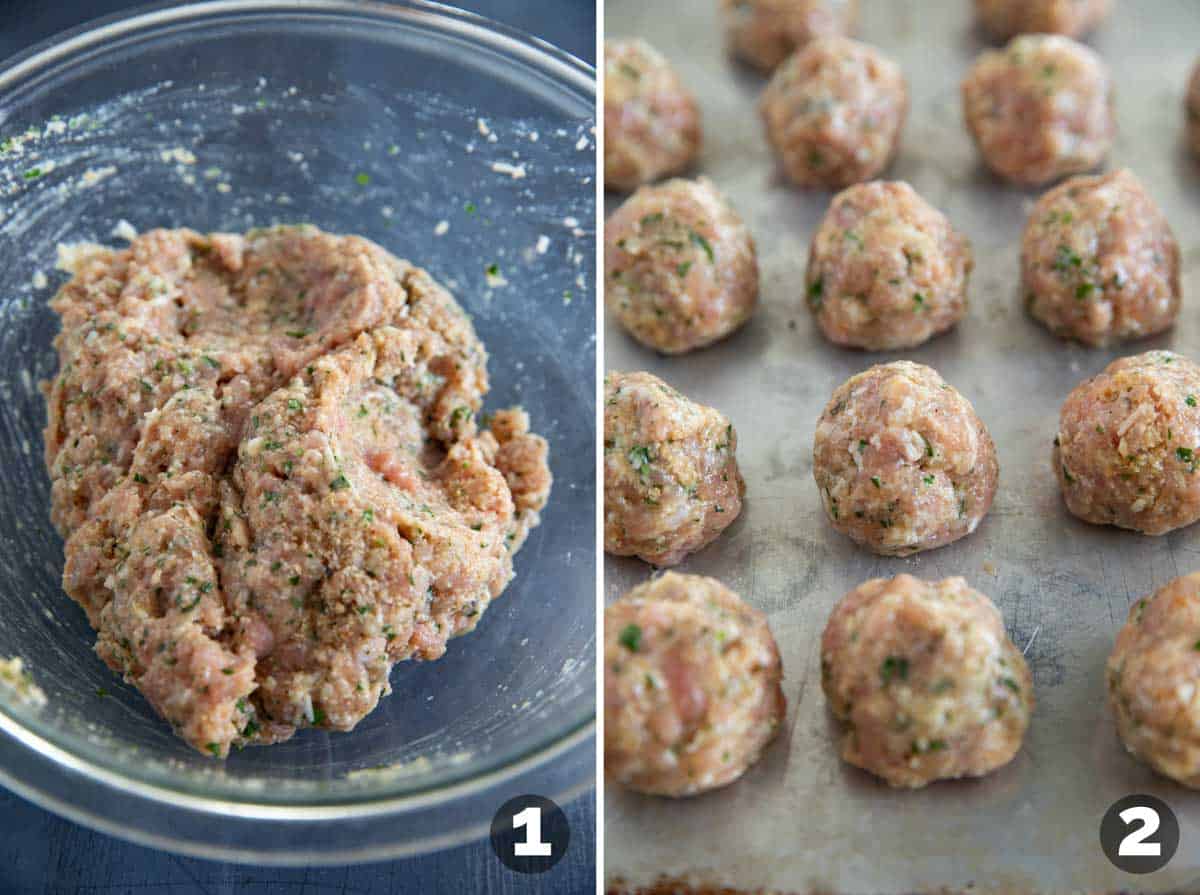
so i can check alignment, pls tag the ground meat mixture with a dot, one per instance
(671, 480)
(927, 682)
(886, 269)
(1099, 262)
(1153, 679)
(1008, 18)
(834, 111)
(1040, 109)
(1128, 444)
(651, 121)
(691, 686)
(680, 266)
(269, 477)
(765, 32)
(902, 461)
(1191, 109)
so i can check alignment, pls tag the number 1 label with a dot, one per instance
(532, 847)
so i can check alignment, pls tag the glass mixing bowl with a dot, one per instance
(453, 142)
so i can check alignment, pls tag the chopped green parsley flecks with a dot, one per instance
(893, 668)
(294, 405)
(920, 747)
(1011, 684)
(630, 638)
(683, 268)
(928, 480)
(704, 244)
(470, 208)
(1084, 290)
(32, 174)
(639, 459)
(340, 483)
(876, 481)
(1190, 400)
(816, 291)
(1067, 260)
(918, 300)
(362, 178)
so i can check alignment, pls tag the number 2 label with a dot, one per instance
(1135, 843)
(1139, 833)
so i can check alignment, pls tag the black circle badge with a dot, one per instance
(1139, 833)
(530, 834)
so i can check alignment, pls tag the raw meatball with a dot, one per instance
(834, 111)
(680, 265)
(928, 683)
(1099, 262)
(1153, 674)
(902, 462)
(691, 686)
(1040, 109)
(1191, 108)
(651, 121)
(1008, 18)
(671, 480)
(1128, 444)
(886, 270)
(765, 32)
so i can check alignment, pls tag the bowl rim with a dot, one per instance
(64, 47)
(96, 31)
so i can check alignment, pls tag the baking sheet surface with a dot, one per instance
(801, 819)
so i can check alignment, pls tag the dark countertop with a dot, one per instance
(41, 853)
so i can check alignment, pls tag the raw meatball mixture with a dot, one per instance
(671, 480)
(902, 462)
(927, 682)
(651, 121)
(680, 266)
(1153, 674)
(765, 32)
(691, 686)
(1040, 109)
(1099, 262)
(268, 474)
(1008, 18)
(834, 111)
(1128, 444)
(1191, 109)
(886, 270)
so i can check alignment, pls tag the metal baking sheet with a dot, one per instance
(801, 820)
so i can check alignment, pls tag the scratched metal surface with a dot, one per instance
(801, 819)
